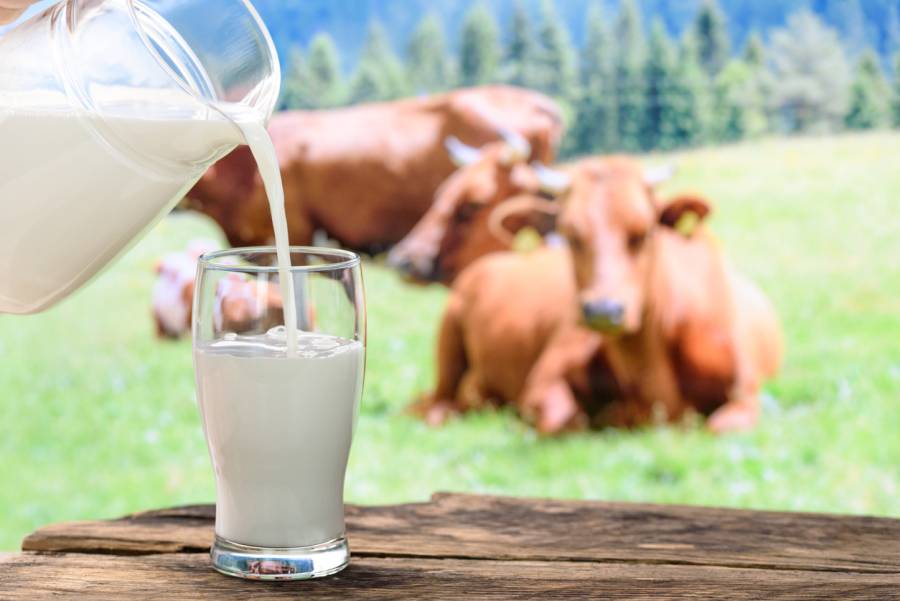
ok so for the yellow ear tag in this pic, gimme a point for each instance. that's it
(527, 239)
(687, 224)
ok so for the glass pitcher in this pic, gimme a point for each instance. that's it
(110, 110)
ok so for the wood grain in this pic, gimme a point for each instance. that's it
(501, 528)
(31, 576)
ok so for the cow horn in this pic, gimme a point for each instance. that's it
(553, 182)
(461, 154)
(520, 147)
(660, 174)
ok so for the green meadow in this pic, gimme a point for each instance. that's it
(99, 417)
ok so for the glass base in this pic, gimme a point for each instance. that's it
(261, 563)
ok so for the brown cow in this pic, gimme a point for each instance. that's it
(245, 305)
(457, 228)
(241, 305)
(502, 313)
(366, 174)
(466, 220)
(656, 324)
(173, 292)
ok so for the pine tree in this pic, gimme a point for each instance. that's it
(629, 37)
(479, 49)
(734, 116)
(758, 89)
(368, 84)
(596, 126)
(521, 51)
(558, 69)
(711, 34)
(427, 65)
(811, 74)
(294, 88)
(659, 77)
(895, 100)
(869, 95)
(326, 87)
(689, 123)
(379, 75)
(754, 55)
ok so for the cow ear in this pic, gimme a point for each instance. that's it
(684, 213)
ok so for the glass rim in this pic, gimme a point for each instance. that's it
(343, 259)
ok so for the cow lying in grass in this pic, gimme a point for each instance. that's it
(173, 292)
(457, 229)
(639, 319)
(241, 305)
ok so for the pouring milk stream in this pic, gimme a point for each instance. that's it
(260, 144)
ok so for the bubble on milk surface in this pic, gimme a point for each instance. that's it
(310, 345)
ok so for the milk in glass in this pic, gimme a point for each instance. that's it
(279, 429)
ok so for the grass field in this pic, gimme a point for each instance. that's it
(99, 418)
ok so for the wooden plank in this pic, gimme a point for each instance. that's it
(483, 527)
(33, 576)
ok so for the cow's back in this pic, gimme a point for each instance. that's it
(475, 114)
(511, 304)
(364, 174)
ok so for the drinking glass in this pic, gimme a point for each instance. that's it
(279, 421)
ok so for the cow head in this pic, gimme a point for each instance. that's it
(246, 305)
(455, 231)
(173, 292)
(611, 221)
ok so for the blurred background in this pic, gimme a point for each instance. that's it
(785, 113)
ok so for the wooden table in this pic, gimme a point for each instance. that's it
(478, 547)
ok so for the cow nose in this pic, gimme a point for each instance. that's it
(604, 314)
(399, 262)
(407, 266)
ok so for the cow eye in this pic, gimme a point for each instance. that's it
(466, 211)
(636, 241)
(575, 243)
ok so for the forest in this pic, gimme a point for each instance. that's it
(625, 88)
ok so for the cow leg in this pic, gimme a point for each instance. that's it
(741, 411)
(452, 364)
(758, 353)
(738, 415)
(552, 407)
(160, 331)
(548, 399)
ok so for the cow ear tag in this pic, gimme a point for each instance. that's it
(526, 240)
(687, 223)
